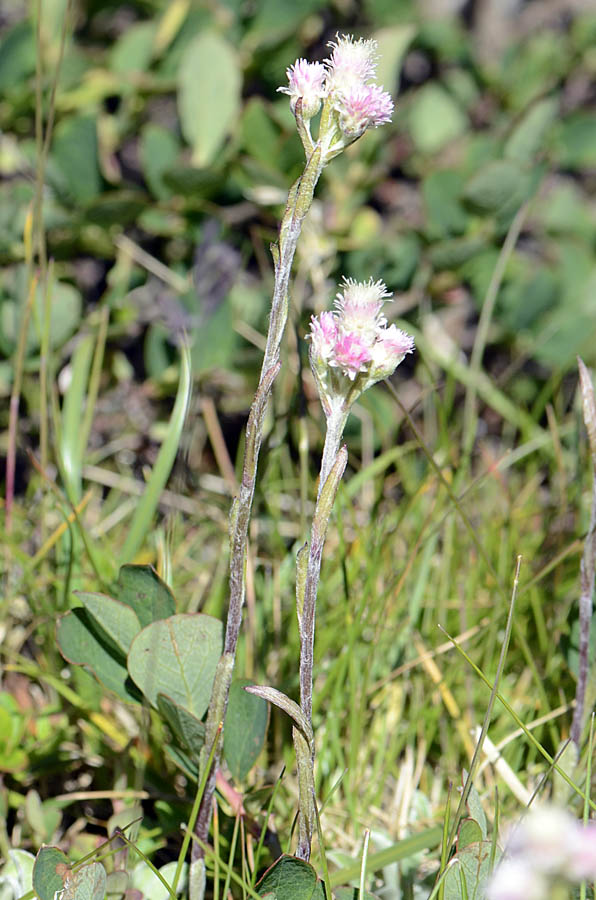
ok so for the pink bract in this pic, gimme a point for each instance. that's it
(351, 354)
(363, 106)
(352, 61)
(306, 81)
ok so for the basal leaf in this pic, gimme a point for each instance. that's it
(115, 618)
(246, 725)
(85, 883)
(141, 588)
(75, 154)
(290, 878)
(49, 872)
(187, 729)
(82, 645)
(435, 119)
(177, 656)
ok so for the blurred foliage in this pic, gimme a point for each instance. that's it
(169, 130)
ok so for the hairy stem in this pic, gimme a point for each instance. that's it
(332, 469)
(299, 202)
(588, 564)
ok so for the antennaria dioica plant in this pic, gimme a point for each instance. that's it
(351, 349)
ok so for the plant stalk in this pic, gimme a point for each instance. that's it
(299, 201)
(332, 468)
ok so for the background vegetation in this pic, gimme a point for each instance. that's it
(145, 155)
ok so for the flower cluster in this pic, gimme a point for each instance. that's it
(345, 80)
(547, 851)
(352, 347)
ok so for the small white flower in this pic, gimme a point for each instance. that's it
(306, 82)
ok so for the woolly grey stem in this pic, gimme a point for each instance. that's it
(331, 473)
(299, 202)
(336, 422)
(587, 565)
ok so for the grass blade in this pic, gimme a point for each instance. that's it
(143, 516)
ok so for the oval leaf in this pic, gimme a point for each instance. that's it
(49, 872)
(82, 644)
(494, 186)
(209, 83)
(244, 733)
(141, 588)
(186, 728)
(117, 620)
(177, 657)
(290, 878)
(470, 867)
(86, 883)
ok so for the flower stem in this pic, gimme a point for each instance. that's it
(299, 201)
(332, 469)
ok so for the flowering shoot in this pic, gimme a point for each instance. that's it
(345, 84)
(352, 347)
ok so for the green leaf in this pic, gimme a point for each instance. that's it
(183, 760)
(177, 657)
(141, 588)
(393, 43)
(445, 213)
(245, 728)
(524, 301)
(82, 644)
(435, 119)
(187, 180)
(476, 810)
(133, 50)
(119, 622)
(75, 154)
(469, 832)
(290, 878)
(65, 315)
(186, 728)
(528, 136)
(274, 20)
(473, 864)
(86, 883)
(576, 141)
(145, 881)
(213, 344)
(117, 208)
(17, 873)
(260, 136)
(209, 84)
(498, 184)
(17, 55)
(49, 872)
(452, 253)
(158, 152)
(569, 328)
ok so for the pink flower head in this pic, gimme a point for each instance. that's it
(582, 861)
(544, 838)
(352, 347)
(323, 334)
(514, 879)
(389, 350)
(359, 306)
(363, 106)
(351, 354)
(306, 81)
(351, 62)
